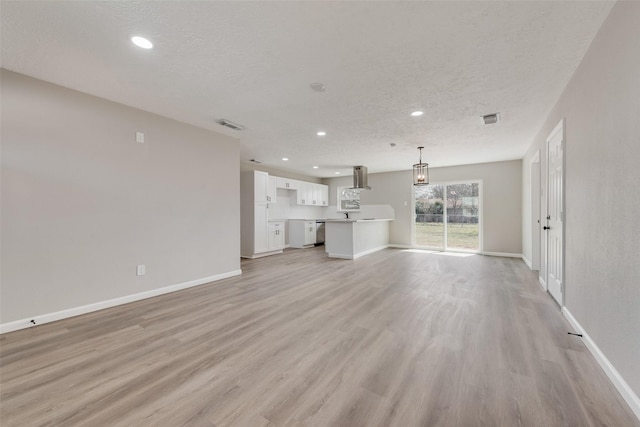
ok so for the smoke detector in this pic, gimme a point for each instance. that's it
(491, 119)
(230, 124)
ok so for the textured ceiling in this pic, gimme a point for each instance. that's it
(252, 63)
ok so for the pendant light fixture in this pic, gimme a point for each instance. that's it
(421, 171)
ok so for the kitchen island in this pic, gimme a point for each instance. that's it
(354, 238)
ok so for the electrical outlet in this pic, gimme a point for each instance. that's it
(140, 137)
(141, 270)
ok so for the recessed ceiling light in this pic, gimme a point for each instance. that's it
(285, 159)
(337, 173)
(417, 113)
(315, 167)
(141, 42)
(321, 133)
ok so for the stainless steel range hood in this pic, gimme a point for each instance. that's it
(360, 178)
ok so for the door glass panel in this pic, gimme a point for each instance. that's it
(429, 226)
(447, 216)
(462, 216)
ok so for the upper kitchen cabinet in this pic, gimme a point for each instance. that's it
(260, 184)
(264, 187)
(324, 195)
(304, 193)
(271, 189)
(312, 194)
(307, 193)
(286, 183)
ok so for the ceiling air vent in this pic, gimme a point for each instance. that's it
(490, 119)
(230, 124)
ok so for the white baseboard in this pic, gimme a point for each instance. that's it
(76, 311)
(262, 254)
(370, 251)
(526, 261)
(503, 254)
(358, 255)
(620, 384)
(400, 246)
(542, 283)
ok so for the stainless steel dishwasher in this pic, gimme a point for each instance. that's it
(319, 232)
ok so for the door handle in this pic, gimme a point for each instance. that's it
(546, 228)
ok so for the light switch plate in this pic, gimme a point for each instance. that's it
(141, 270)
(140, 137)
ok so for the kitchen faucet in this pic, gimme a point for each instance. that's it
(347, 214)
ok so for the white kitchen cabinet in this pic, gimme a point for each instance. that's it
(309, 233)
(324, 195)
(261, 218)
(287, 183)
(255, 229)
(304, 193)
(307, 193)
(260, 184)
(276, 235)
(302, 233)
(314, 194)
(271, 189)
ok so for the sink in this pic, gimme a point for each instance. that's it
(368, 219)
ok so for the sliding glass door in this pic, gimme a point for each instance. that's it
(447, 216)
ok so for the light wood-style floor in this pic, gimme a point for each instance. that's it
(393, 339)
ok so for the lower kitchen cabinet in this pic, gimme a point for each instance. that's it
(276, 235)
(302, 233)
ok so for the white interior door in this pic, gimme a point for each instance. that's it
(555, 213)
(536, 224)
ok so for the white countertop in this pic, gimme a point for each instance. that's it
(358, 219)
(335, 219)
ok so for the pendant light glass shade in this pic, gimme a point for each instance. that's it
(421, 171)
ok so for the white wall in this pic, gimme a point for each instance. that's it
(502, 201)
(83, 203)
(601, 105)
